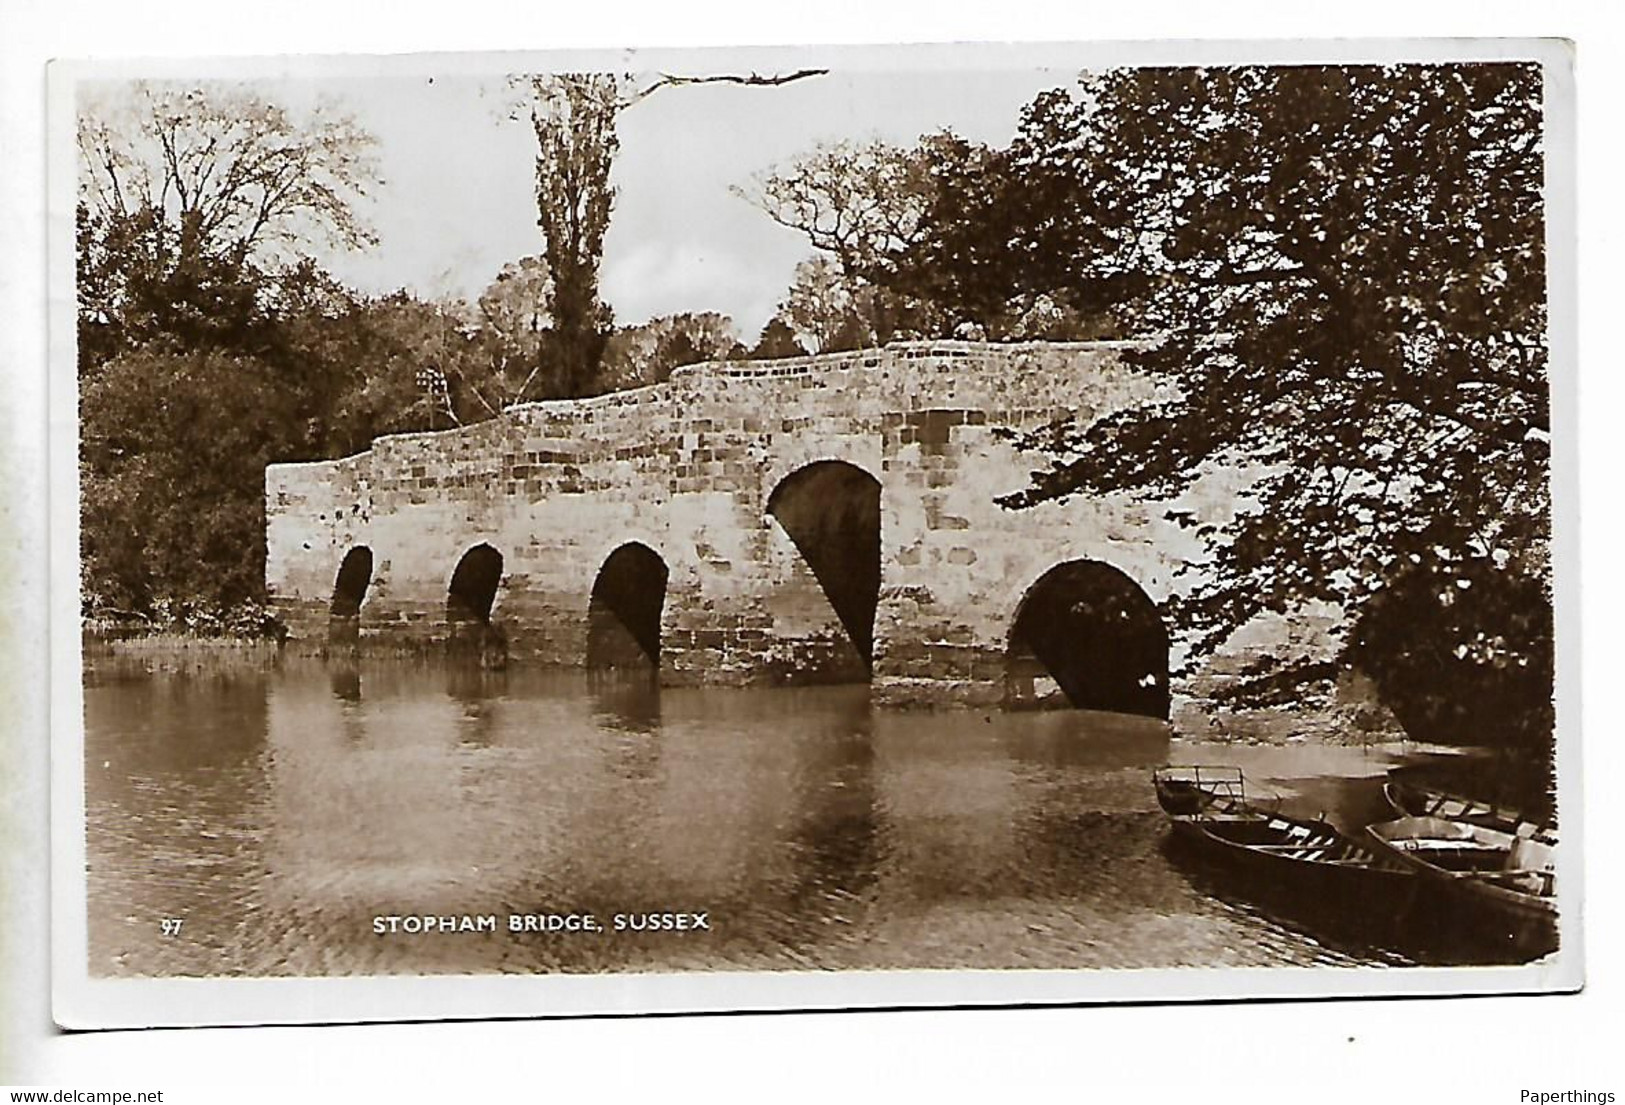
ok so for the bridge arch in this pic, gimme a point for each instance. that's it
(624, 610)
(349, 591)
(472, 591)
(1090, 630)
(470, 597)
(830, 510)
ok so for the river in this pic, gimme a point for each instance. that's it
(277, 816)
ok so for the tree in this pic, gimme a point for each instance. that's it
(1344, 272)
(777, 340)
(945, 236)
(690, 337)
(574, 117)
(172, 483)
(190, 195)
(824, 310)
(646, 354)
(423, 368)
(513, 323)
(861, 203)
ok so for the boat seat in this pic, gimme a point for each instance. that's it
(1293, 851)
(1529, 880)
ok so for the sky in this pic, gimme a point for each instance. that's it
(457, 204)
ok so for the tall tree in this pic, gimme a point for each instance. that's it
(191, 195)
(1345, 271)
(574, 117)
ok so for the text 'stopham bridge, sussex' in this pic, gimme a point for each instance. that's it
(820, 519)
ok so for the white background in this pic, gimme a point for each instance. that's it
(1481, 1050)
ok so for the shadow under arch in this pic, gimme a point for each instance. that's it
(1093, 632)
(623, 614)
(349, 590)
(830, 510)
(469, 599)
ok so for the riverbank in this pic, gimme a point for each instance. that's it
(119, 656)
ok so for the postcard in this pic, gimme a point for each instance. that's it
(812, 528)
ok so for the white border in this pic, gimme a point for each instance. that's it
(82, 1002)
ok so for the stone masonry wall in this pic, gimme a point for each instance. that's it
(687, 468)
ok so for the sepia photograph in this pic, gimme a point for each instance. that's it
(807, 528)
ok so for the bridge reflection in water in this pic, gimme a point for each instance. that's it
(279, 812)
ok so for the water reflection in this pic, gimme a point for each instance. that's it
(345, 678)
(628, 700)
(279, 812)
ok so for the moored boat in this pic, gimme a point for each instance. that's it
(1508, 878)
(1309, 861)
(1412, 798)
(1197, 790)
(1297, 854)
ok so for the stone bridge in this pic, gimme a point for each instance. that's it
(824, 518)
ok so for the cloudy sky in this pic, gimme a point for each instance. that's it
(457, 203)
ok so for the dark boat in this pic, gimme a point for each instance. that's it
(1310, 856)
(1308, 859)
(1412, 798)
(1201, 790)
(1507, 879)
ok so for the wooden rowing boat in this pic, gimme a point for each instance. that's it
(1508, 879)
(1309, 858)
(1309, 861)
(1202, 790)
(1410, 798)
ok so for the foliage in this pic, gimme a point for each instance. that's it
(777, 340)
(513, 322)
(1488, 630)
(172, 473)
(420, 368)
(946, 238)
(191, 197)
(1345, 277)
(132, 290)
(573, 116)
(829, 313)
(640, 355)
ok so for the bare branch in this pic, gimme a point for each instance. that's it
(667, 80)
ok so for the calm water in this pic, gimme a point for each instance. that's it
(277, 813)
